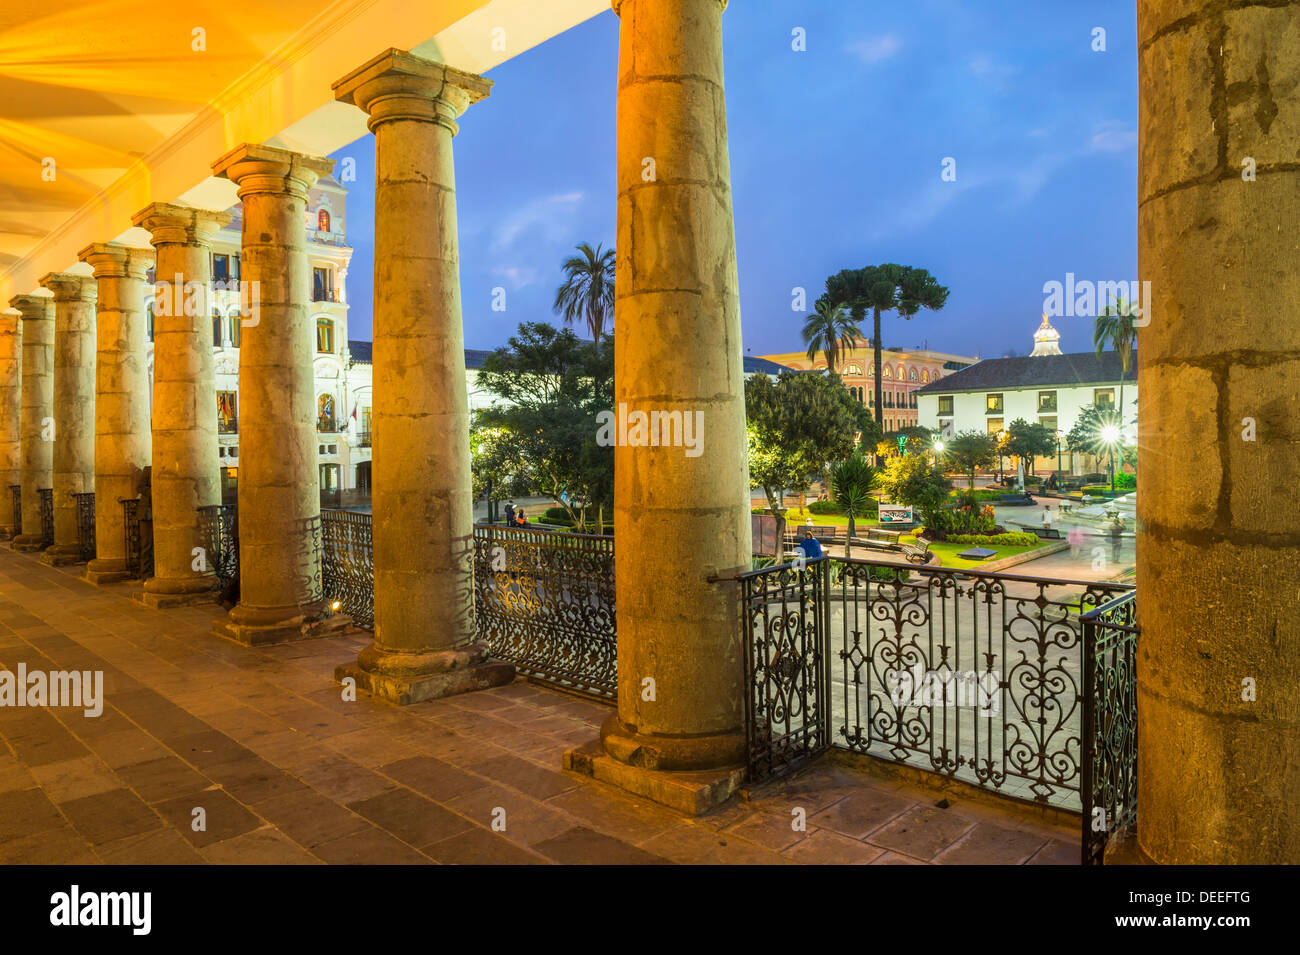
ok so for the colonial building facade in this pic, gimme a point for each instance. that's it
(903, 373)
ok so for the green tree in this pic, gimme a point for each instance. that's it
(830, 330)
(914, 481)
(1025, 441)
(1089, 432)
(1116, 326)
(883, 288)
(551, 386)
(851, 482)
(969, 451)
(797, 423)
(587, 295)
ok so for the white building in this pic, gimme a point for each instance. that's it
(1045, 387)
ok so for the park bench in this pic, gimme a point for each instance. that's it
(918, 553)
(1016, 499)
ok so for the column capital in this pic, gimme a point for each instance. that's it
(398, 85)
(170, 224)
(268, 169)
(69, 286)
(33, 307)
(111, 260)
(617, 6)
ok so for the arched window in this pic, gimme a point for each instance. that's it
(852, 370)
(925, 374)
(216, 328)
(911, 374)
(325, 335)
(889, 372)
(325, 413)
(323, 220)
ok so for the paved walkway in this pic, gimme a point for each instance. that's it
(260, 746)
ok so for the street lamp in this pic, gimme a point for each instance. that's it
(1110, 436)
(1059, 435)
(1002, 436)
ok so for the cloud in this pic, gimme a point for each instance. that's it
(987, 68)
(518, 276)
(875, 49)
(550, 215)
(1113, 137)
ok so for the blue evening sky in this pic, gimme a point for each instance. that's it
(836, 157)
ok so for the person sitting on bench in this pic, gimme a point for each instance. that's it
(810, 546)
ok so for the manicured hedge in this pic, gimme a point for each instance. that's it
(557, 514)
(823, 507)
(984, 540)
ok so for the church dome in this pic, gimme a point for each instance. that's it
(1047, 340)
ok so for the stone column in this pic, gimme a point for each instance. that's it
(123, 440)
(425, 639)
(185, 471)
(11, 397)
(1218, 566)
(680, 512)
(280, 594)
(36, 450)
(74, 407)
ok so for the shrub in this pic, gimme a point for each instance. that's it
(1093, 478)
(981, 494)
(1005, 540)
(823, 507)
(1126, 482)
(1095, 489)
(557, 514)
(1033, 480)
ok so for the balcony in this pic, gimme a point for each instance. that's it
(325, 295)
(327, 426)
(229, 426)
(362, 440)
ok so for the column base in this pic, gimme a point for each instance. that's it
(61, 555)
(1122, 848)
(266, 634)
(164, 593)
(6, 532)
(693, 793)
(28, 543)
(406, 678)
(106, 570)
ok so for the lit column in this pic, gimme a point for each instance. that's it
(185, 471)
(425, 640)
(11, 399)
(280, 596)
(123, 441)
(680, 513)
(36, 446)
(1218, 565)
(74, 407)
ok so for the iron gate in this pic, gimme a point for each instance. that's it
(45, 496)
(1110, 755)
(348, 564)
(17, 492)
(219, 530)
(86, 524)
(137, 527)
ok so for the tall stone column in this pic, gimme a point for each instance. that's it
(680, 511)
(280, 595)
(123, 440)
(425, 640)
(74, 407)
(11, 399)
(36, 448)
(1218, 565)
(185, 471)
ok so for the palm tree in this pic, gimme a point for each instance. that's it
(830, 330)
(884, 288)
(1115, 327)
(587, 294)
(851, 483)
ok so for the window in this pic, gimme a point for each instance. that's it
(322, 285)
(325, 335)
(227, 406)
(216, 329)
(1104, 398)
(1048, 422)
(925, 375)
(945, 404)
(993, 404)
(995, 425)
(913, 402)
(911, 374)
(234, 329)
(852, 370)
(1047, 402)
(323, 220)
(889, 372)
(220, 267)
(148, 320)
(325, 414)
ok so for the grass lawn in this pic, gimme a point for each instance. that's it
(948, 553)
(799, 515)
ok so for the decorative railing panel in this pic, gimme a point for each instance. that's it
(545, 601)
(787, 678)
(86, 524)
(16, 491)
(137, 528)
(348, 564)
(45, 496)
(1110, 637)
(219, 529)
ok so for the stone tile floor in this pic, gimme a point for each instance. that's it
(285, 771)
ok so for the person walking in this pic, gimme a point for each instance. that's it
(1047, 517)
(1075, 537)
(510, 513)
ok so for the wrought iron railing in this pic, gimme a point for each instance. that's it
(544, 600)
(228, 425)
(137, 528)
(45, 496)
(787, 669)
(348, 564)
(332, 497)
(219, 530)
(362, 440)
(967, 673)
(16, 491)
(86, 524)
(1110, 637)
